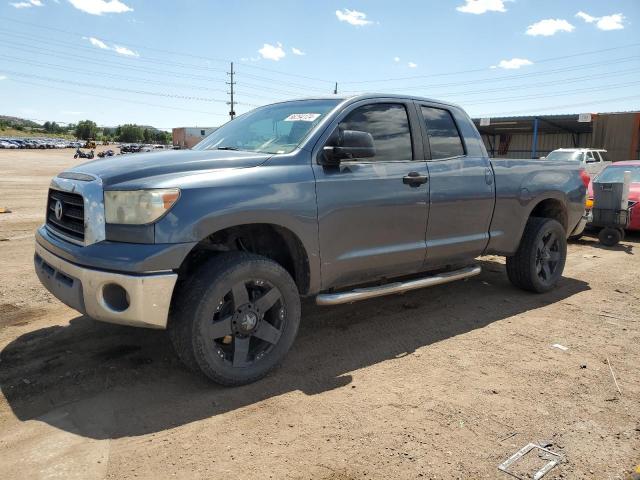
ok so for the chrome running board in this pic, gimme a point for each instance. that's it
(396, 287)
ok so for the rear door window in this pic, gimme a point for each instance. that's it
(444, 137)
(388, 124)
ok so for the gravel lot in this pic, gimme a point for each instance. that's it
(445, 382)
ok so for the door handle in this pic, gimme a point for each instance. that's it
(415, 179)
(488, 176)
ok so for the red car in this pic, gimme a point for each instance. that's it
(614, 173)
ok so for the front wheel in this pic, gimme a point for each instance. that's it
(235, 318)
(539, 261)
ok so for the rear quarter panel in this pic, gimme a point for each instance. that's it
(520, 186)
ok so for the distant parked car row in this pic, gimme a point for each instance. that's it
(137, 147)
(39, 143)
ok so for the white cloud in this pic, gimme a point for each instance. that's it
(98, 43)
(549, 26)
(29, 4)
(412, 65)
(297, 51)
(396, 59)
(3, 77)
(608, 22)
(513, 64)
(479, 7)
(586, 17)
(272, 52)
(125, 51)
(611, 22)
(70, 112)
(353, 17)
(98, 7)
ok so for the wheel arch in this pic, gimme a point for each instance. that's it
(551, 207)
(270, 240)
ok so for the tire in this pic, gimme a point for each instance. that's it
(539, 261)
(609, 236)
(236, 318)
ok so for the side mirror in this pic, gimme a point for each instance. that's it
(348, 144)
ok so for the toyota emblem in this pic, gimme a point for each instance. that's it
(57, 209)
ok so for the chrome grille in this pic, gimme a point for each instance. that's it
(65, 214)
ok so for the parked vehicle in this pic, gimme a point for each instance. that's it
(81, 154)
(615, 173)
(341, 199)
(106, 153)
(594, 160)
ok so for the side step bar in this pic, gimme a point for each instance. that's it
(396, 287)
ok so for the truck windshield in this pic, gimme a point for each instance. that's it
(277, 128)
(616, 174)
(557, 155)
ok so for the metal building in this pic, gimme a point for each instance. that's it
(187, 137)
(536, 136)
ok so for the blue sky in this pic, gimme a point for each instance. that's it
(164, 62)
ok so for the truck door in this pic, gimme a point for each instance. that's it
(372, 212)
(462, 194)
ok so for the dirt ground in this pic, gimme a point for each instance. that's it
(442, 383)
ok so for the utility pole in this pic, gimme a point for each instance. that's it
(231, 83)
(335, 91)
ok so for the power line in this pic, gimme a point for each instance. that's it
(92, 60)
(95, 74)
(545, 84)
(484, 69)
(557, 94)
(170, 52)
(511, 77)
(126, 90)
(555, 107)
(124, 100)
(107, 52)
(153, 61)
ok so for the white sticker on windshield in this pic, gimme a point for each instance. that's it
(302, 117)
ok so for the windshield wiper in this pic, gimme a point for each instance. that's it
(227, 148)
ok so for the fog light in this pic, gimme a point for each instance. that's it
(115, 297)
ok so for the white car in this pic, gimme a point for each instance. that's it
(594, 159)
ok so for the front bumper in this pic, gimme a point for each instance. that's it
(139, 300)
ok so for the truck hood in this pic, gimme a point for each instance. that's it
(137, 166)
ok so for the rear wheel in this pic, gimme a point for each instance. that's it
(236, 318)
(539, 261)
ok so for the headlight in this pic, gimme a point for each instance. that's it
(138, 207)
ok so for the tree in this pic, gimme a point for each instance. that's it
(147, 135)
(129, 133)
(86, 129)
(162, 137)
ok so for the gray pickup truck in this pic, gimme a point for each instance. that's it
(341, 199)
